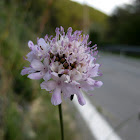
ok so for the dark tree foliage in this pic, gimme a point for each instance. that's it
(124, 25)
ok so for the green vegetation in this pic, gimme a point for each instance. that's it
(26, 112)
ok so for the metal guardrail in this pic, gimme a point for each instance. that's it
(121, 49)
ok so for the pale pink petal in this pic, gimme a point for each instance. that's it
(54, 66)
(85, 86)
(76, 75)
(88, 84)
(27, 71)
(94, 71)
(65, 78)
(49, 85)
(55, 76)
(43, 45)
(36, 75)
(80, 97)
(56, 97)
(75, 83)
(90, 81)
(98, 84)
(31, 56)
(30, 45)
(43, 85)
(47, 76)
(46, 62)
(24, 71)
(37, 65)
(67, 90)
(41, 42)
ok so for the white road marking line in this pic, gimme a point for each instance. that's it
(99, 127)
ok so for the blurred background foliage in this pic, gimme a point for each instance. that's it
(25, 110)
(124, 25)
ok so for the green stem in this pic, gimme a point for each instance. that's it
(61, 121)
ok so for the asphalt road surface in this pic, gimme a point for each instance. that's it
(118, 100)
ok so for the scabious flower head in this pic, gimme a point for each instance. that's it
(66, 63)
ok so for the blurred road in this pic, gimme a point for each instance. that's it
(118, 100)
